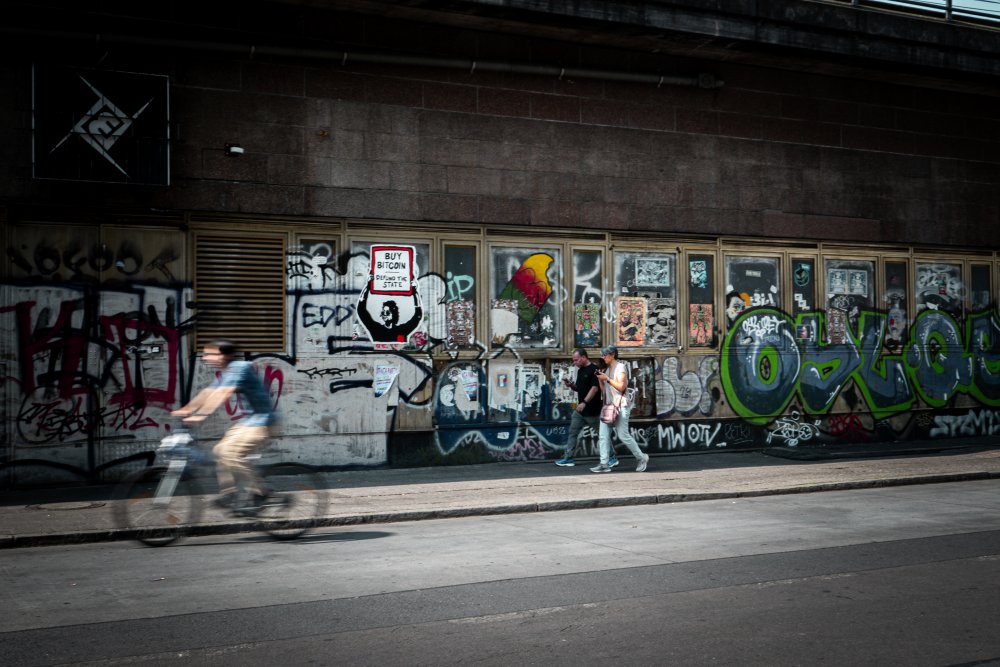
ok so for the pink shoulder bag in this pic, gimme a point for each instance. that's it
(609, 413)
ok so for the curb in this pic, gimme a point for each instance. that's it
(232, 527)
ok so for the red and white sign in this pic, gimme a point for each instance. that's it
(392, 270)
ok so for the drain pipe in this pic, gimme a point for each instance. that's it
(702, 80)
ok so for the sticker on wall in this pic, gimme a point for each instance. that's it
(661, 322)
(631, 321)
(700, 334)
(587, 324)
(461, 323)
(389, 308)
(385, 375)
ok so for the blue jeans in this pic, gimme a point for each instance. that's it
(576, 424)
(621, 430)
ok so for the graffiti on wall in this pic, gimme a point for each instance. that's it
(94, 371)
(97, 366)
(77, 260)
(764, 367)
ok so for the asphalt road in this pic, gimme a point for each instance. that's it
(905, 575)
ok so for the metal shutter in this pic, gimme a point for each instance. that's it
(239, 289)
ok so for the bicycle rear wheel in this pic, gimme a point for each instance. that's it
(297, 501)
(155, 523)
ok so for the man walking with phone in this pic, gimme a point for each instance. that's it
(588, 405)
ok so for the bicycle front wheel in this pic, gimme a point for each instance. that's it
(297, 501)
(152, 521)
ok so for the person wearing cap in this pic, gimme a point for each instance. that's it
(614, 386)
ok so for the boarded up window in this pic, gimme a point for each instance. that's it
(240, 291)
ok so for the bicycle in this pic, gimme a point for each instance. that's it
(161, 503)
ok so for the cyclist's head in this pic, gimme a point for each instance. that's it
(219, 353)
(226, 348)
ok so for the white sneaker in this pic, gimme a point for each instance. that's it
(642, 463)
(601, 468)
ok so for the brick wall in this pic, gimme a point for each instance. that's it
(773, 152)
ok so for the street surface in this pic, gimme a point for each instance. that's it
(903, 575)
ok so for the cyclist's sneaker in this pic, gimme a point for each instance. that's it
(253, 505)
(613, 461)
(601, 468)
(566, 463)
(224, 501)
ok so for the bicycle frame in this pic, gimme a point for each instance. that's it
(175, 451)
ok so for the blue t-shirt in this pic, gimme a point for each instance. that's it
(256, 403)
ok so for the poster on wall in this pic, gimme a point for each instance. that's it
(698, 272)
(563, 371)
(661, 322)
(389, 308)
(586, 324)
(804, 292)
(653, 271)
(458, 395)
(939, 286)
(503, 320)
(470, 383)
(701, 325)
(502, 383)
(836, 325)
(530, 378)
(751, 282)
(857, 283)
(461, 324)
(836, 281)
(385, 375)
(631, 321)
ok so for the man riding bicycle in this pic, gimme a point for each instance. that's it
(244, 438)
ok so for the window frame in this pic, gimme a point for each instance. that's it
(560, 327)
(684, 298)
(672, 251)
(769, 253)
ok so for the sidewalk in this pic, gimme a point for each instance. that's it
(83, 514)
